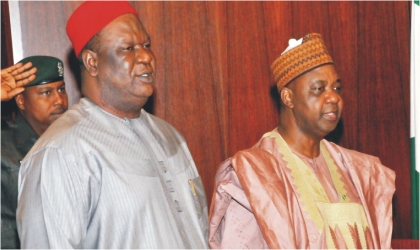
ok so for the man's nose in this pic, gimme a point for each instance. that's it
(144, 56)
(332, 97)
(58, 98)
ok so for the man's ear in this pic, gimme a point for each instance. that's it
(286, 96)
(20, 101)
(90, 60)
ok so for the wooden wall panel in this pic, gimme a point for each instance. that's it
(277, 25)
(6, 37)
(383, 120)
(216, 20)
(251, 112)
(189, 87)
(342, 16)
(214, 82)
(405, 244)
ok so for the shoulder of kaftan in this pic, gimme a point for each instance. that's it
(366, 166)
(270, 195)
(375, 184)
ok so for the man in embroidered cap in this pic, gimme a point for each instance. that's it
(43, 100)
(293, 189)
(108, 174)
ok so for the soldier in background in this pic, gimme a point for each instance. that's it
(42, 101)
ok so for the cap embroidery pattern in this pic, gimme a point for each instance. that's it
(310, 54)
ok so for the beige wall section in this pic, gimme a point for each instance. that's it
(213, 79)
(16, 31)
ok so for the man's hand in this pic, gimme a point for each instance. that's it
(14, 78)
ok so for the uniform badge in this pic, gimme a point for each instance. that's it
(60, 69)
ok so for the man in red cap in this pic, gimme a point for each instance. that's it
(293, 189)
(108, 174)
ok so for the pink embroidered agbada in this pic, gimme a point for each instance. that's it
(256, 205)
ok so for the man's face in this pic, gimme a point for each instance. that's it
(43, 104)
(317, 102)
(125, 64)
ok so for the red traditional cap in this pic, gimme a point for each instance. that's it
(90, 17)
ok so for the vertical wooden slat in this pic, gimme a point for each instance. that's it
(343, 46)
(251, 111)
(383, 120)
(278, 28)
(189, 86)
(216, 24)
(6, 36)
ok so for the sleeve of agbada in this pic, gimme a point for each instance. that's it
(232, 224)
(272, 209)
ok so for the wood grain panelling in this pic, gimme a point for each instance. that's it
(405, 244)
(217, 30)
(251, 112)
(278, 25)
(214, 82)
(383, 120)
(6, 37)
(189, 88)
(342, 16)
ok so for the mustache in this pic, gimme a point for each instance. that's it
(332, 108)
(59, 110)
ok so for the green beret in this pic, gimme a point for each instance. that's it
(50, 69)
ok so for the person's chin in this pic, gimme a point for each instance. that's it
(328, 127)
(329, 130)
(145, 95)
(148, 92)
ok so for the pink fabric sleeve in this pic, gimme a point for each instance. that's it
(232, 223)
(275, 206)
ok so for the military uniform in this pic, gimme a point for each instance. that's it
(16, 141)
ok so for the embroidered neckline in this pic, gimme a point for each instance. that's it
(301, 173)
